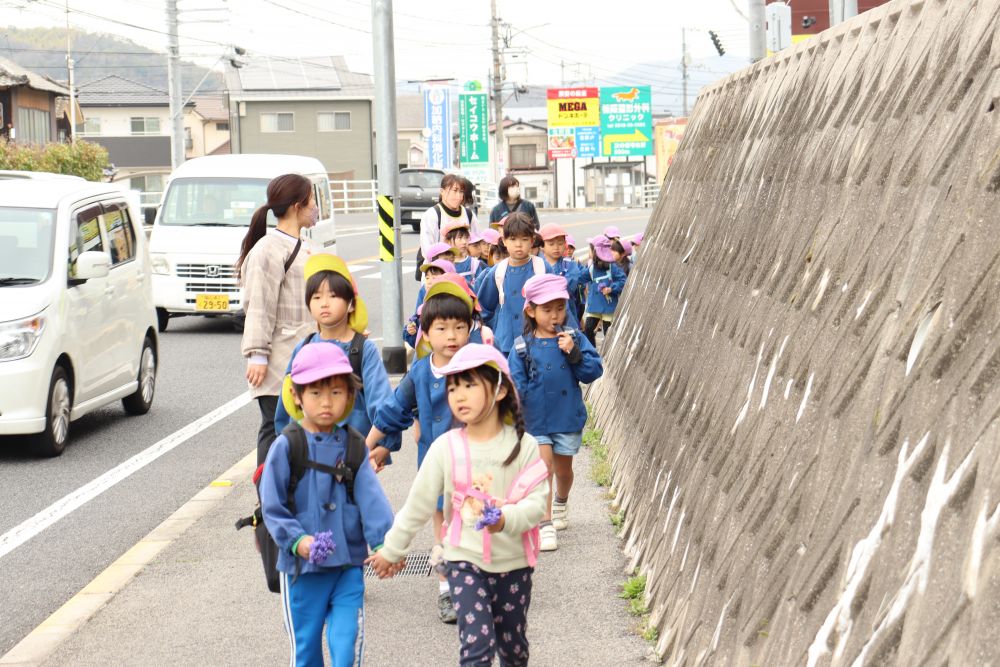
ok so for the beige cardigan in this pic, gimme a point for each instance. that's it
(275, 303)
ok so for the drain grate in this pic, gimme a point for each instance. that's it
(416, 566)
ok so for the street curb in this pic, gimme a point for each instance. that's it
(41, 642)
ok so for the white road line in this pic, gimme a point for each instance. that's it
(20, 534)
(360, 267)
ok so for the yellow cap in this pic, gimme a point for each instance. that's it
(358, 319)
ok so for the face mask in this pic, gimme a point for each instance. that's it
(314, 216)
(514, 192)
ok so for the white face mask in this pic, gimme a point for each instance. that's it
(514, 192)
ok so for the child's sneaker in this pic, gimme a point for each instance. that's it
(549, 541)
(560, 515)
(446, 609)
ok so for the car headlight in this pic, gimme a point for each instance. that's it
(18, 339)
(160, 265)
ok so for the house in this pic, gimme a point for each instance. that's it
(304, 106)
(28, 105)
(206, 126)
(132, 121)
(527, 158)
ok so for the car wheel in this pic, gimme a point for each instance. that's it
(140, 402)
(52, 441)
(162, 319)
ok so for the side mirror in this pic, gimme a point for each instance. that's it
(149, 215)
(91, 264)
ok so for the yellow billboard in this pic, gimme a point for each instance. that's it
(667, 134)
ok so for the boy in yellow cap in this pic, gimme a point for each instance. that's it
(342, 319)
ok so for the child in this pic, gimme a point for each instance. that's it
(341, 318)
(475, 247)
(455, 285)
(605, 282)
(579, 295)
(499, 290)
(620, 251)
(548, 365)
(456, 234)
(611, 233)
(488, 561)
(431, 271)
(319, 586)
(445, 321)
(491, 239)
(554, 252)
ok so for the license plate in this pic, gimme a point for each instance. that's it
(211, 302)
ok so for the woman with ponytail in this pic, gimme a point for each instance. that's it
(271, 268)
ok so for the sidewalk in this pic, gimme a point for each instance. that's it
(203, 599)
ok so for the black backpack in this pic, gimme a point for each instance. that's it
(298, 461)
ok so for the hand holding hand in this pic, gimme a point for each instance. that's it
(256, 373)
(377, 457)
(382, 567)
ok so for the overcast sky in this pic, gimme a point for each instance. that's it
(436, 38)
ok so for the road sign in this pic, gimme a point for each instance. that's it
(473, 130)
(437, 119)
(626, 121)
(574, 117)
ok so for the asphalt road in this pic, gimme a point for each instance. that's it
(200, 370)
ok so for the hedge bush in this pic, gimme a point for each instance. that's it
(81, 158)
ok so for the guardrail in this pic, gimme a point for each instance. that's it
(354, 196)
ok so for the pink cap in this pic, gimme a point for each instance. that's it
(475, 238)
(491, 236)
(637, 239)
(451, 225)
(316, 361)
(550, 231)
(475, 355)
(544, 288)
(438, 248)
(569, 241)
(602, 248)
(612, 232)
(627, 247)
(442, 264)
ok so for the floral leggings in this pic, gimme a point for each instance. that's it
(492, 610)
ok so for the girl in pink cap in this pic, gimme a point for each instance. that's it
(491, 471)
(548, 364)
(605, 282)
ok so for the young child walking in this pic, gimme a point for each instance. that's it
(491, 471)
(432, 271)
(341, 319)
(445, 322)
(554, 244)
(323, 531)
(456, 235)
(548, 365)
(604, 281)
(499, 290)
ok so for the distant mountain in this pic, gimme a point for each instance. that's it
(96, 55)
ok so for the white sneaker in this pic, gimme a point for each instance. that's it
(560, 515)
(549, 541)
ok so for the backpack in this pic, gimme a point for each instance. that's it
(500, 272)
(461, 476)
(521, 347)
(298, 461)
(354, 354)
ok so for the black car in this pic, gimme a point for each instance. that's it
(418, 191)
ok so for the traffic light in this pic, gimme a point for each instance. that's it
(716, 42)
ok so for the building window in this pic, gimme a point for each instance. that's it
(188, 139)
(145, 125)
(531, 194)
(90, 126)
(277, 122)
(33, 126)
(333, 121)
(522, 156)
(222, 127)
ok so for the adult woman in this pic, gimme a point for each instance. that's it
(450, 206)
(272, 269)
(510, 201)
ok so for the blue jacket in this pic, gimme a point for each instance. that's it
(550, 391)
(376, 390)
(418, 391)
(598, 303)
(507, 322)
(464, 269)
(355, 527)
(569, 269)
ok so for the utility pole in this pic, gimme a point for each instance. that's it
(685, 63)
(842, 10)
(391, 247)
(72, 93)
(758, 30)
(498, 93)
(174, 87)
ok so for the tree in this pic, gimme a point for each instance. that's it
(81, 158)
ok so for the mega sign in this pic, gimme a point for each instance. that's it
(574, 119)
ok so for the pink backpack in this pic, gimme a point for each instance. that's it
(461, 476)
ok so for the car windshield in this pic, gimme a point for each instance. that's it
(26, 236)
(214, 202)
(428, 180)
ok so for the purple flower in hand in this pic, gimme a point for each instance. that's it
(321, 548)
(491, 515)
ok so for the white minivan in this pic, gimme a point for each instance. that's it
(201, 222)
(77, 320)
